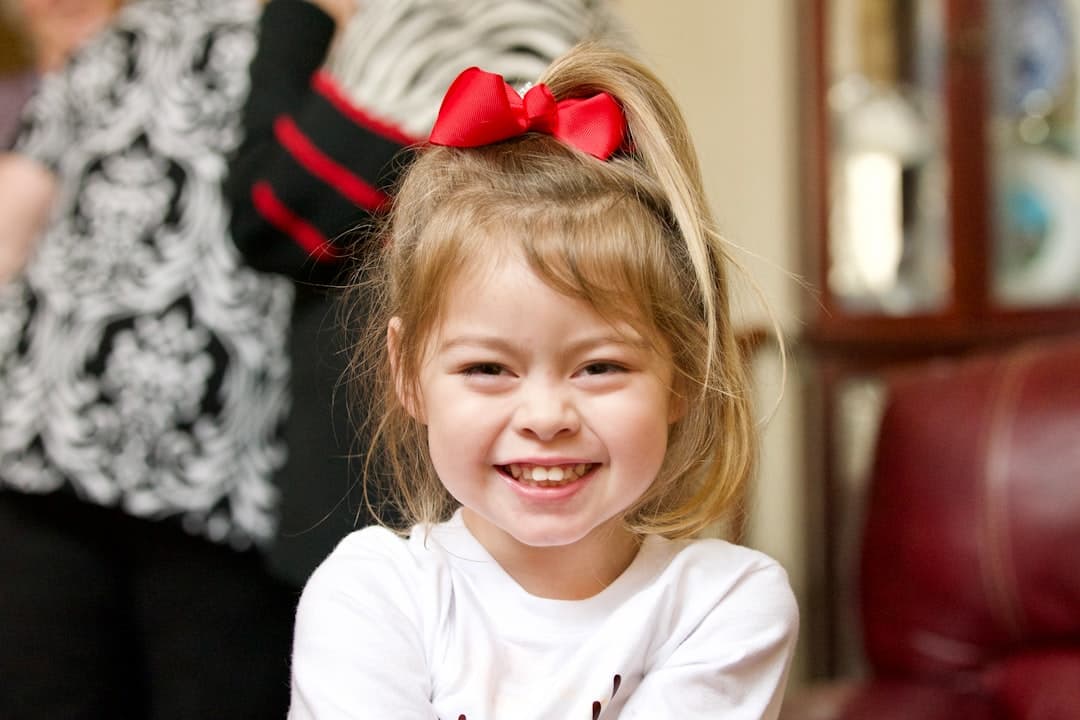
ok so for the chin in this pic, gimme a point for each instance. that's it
(559, 535)
(547, 540)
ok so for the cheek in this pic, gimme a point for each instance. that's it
(638, 433)
(651, 447)
(449, 455)
(460, 433)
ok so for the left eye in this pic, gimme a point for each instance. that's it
(601, 368)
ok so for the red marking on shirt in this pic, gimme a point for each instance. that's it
(326, 86)
(281, 217)
(322, 166)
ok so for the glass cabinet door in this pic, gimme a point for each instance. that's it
(942, 188)
(888, 250)
(1035, 149)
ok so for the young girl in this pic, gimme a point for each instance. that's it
(565, 407)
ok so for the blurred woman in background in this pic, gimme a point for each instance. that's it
(143, 380)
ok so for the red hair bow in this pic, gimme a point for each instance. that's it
(480, 108)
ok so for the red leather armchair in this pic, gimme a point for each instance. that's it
(969, 583)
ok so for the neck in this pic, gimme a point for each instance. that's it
(566, 572)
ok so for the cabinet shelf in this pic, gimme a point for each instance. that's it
(941, 215)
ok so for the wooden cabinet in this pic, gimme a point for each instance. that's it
(941, 214)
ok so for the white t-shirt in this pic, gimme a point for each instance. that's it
(432, 627)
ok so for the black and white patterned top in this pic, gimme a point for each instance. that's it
(142, 364)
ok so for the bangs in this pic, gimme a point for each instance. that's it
(614, 254)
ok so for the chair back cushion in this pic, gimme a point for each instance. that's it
(971, 550)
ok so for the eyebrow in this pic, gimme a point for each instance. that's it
(493, 342)
(483, 341)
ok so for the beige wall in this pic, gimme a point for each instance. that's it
(731, 64)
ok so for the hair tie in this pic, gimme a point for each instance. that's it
(481, 108)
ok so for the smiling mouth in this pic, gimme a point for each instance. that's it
(546, 475)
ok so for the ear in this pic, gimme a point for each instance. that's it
(676, 407)
(393, 348)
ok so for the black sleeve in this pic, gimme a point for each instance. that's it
(313, 167)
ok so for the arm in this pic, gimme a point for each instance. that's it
(312, 166)
(734, 664)
(358, 651)
(29, 173)
(340, 11)
(58, 28)
(27, 189)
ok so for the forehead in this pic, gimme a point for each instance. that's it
(503, 286)
(503, 296)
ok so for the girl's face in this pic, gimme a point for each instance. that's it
(544, 421)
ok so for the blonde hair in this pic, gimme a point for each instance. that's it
(632, 236)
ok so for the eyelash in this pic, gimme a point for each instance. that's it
(483, 369)
(494, 369)
(607, 366)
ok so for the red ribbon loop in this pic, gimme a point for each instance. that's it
(480, 108)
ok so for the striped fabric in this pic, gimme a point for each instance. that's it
(399, 56)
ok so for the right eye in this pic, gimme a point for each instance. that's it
(484, 369)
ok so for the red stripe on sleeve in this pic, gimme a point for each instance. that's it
(325, 168)
(327, 86)
(306, 235)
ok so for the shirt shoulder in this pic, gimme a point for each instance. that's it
(723, 618)
(374, 550)
(369, 586)
(376, 564)
(718, 579)
(362, 629)
(724, 562)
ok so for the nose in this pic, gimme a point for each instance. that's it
(546, 411)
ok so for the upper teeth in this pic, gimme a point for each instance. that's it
(553, 473)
